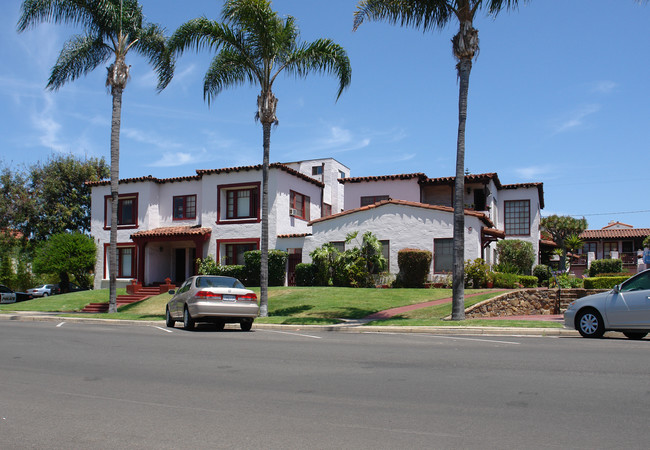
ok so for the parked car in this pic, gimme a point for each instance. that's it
(9, 296)
(44, 290)
(72, 287)
(626, 308)
(216, 299)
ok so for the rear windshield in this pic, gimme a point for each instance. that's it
(226, 282)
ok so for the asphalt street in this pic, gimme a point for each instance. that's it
(74, 385)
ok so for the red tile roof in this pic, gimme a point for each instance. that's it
(143, 179)
(615, 233)
(402, 176)
(449, 209)
(471, 178)
(295, 235)
(613, 224)
(173, 232)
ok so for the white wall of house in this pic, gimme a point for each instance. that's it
(408, 190)
(403, 226)
(333, 192)
(531, 194)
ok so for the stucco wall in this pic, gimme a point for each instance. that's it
(396, 189)
(531, 194)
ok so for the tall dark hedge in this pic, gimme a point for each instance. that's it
(605, 266)
(305, 274)
(414, 266)
(277, 267)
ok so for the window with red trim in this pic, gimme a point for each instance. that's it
(184, 207)
(372, 199)
(300, 204)
(327, 210)
(241, 203)
(127, 210)
(235, 252)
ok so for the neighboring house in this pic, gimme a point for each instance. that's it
(616, 240)
(166, 224)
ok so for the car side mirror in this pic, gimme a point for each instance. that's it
(171, 292)
(617, 289)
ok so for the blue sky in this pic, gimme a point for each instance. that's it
(558, 94)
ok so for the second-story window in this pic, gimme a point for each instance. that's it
(517, 217)
(317, 170)
(241, 203)
(299, 205)
(185, 207)
(372, 199)
(127, 210)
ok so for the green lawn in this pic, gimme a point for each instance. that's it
(298, 306)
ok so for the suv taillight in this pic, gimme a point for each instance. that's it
(249, 297)
(208, 294)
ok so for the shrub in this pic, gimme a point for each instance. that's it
(277, 267)
(304, 274)
(476, 273)
(528, 281)
(506, 267)
(506, 280)
(542, 272)
(605, 266)
(324, 261)
(518, 253)
(414, 266)
(207, 266)
(566, 281)
(603, 282)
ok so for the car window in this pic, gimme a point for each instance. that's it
(185, 286)
(5, 289)
(226, 282)
(638, 283)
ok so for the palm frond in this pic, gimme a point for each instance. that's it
(323, 56)
(80, 55)
(198, 33)
(229, 68)
(151, 43)
(424, 14)
(33, 12)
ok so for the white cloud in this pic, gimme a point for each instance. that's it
(532, 172)
(47, 127)
(603, 86)
(178, 159)
(575, 119)
(149, 138)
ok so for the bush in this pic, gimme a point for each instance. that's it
(603, 282)
(414, 266)
(207, 266)
(506, 280)
(476, 273)
(605, 266)
(277, 267)
(324, 261)
(304, 274)
(517, 253)
(566, 281)
(542, 272)
(528, 281)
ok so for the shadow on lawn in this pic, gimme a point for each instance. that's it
(290, 311)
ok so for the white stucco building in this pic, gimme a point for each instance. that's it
(164, 225)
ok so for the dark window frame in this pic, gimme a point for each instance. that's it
(222, 203)
(514, 218)
(304, 213)
(184, 215)
(367, 200)
(120, 211)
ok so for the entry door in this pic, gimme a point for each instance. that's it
(180, 258)
(295, 258)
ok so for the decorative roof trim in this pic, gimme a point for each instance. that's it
(448, 209)
(257, 167)
(165, 232)
(295, 235)
(615, 233)
(402, 176)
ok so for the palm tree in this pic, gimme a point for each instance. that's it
(112, 28)
(436, 14)
(254, 45)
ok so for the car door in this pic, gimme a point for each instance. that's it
(630, 307)
(180, 298)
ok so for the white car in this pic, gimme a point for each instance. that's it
(43, 290)
(210, 298)
(626, 308)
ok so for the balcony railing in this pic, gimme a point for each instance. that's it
(629, 259)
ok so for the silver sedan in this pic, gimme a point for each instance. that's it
(626, 308)
(210, 298)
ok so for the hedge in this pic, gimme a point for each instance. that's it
(605, 266)
(603, 282)
(506, 280)
(305, 274)
(528, 281)
(414, 265)
(277, 267)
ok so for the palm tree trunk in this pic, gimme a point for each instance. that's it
(115, 177)
(264, 266)
(458, 301)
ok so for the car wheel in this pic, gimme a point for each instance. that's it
(246, 325)
(590, 324)
(188, 322)
(44, 294)
(168, 319)
(635, 335)
(220, 325)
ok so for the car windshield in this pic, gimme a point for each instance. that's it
(226, 282)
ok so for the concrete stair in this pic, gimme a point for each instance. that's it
(142, 294)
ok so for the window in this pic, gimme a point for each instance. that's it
(341, 174)
(385, 252)
(608, 248)
(327, 210)
(238, 203)
(372, 199)
(185, 207)
(589, 247)
(127, 211)
(125, 262)
(300, 203)
(317, 170)
(338, 245)
(443, 255)
(235, 252)
(517, 217)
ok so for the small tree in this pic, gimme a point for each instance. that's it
(516, 253)
(66, 254)
(561, 228)
(324, 260)
(414, 266)
(646, 242)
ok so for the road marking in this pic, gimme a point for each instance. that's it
(476, 339)
(164, 329)
(60, 324)
(293, 334)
